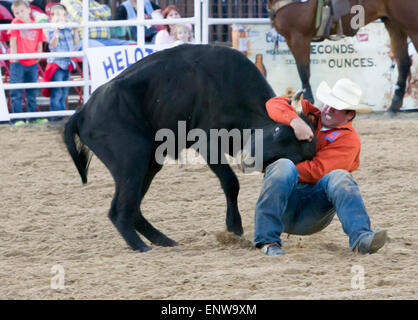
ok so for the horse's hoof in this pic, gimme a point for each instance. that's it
(392, 113)
(395, 106)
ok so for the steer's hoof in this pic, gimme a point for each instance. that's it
(237, 230)
(142, 249)
(166, 242)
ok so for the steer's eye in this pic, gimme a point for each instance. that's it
(276, 130)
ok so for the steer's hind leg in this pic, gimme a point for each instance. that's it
(141, 224)
(230, 186)
(127, 155)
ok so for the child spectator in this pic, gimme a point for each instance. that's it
(58, 69)
(98, 36)
(24, 41)
(7, 4)
(127, 11)
(165, 36)
(182, 32)
(37, 11)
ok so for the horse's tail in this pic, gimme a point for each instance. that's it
(78, 150)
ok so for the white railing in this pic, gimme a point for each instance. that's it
(207, 21)
(200, 20)
(140, 22)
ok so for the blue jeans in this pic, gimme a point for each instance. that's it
(59, 95)
(20, 74)
(287, 206)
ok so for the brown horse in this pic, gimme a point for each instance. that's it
(296, 21)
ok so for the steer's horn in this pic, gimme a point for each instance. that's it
(296, 101)
(246, 160)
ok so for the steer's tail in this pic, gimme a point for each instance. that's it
(78, 151)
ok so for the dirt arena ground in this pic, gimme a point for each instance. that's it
(48, 218)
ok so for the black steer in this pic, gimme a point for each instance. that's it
(208, 87)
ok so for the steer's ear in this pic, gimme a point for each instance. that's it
(296, 101)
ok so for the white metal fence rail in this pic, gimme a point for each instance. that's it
(200, 20)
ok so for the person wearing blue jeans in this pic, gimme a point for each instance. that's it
(58, 69)
(59, 95)
(303, 198)
(20, 73)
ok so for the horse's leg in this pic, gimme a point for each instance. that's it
(141, 224)
(399, 46)
(230, 186)
(414, 39)
(300, 46)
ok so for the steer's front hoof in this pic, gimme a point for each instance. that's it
(237, 230)
(166, 242)
(144, 248)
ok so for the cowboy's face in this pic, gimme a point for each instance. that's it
(332, 118)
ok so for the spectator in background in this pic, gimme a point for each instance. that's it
(24, 41)
(58, 69)
(98, 36)
(38, 3)
(37, 9)
(7, 4)
(127, 11)
(183, 33)
(165, 35)
(6, 15)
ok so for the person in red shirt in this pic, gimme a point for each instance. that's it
(25, 70)
(303, 198)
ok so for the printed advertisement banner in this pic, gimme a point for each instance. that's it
(365, 58)
(107, 62)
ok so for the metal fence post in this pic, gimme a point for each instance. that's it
(85, 26)
(198, 19)
(205, 22)
(140, 28)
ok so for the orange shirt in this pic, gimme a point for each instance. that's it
(337, 148)
(27, 41)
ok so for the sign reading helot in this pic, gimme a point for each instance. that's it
(364, 59)
(107, 62)
(4, 112)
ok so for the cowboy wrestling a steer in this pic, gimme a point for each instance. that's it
(207, 88)
(302, 199)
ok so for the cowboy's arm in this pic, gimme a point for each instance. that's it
(281, 111)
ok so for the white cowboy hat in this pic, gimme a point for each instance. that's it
(344, 95)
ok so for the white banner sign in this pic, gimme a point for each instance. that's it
(4, 112)
(365, 59)
(107, 62)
